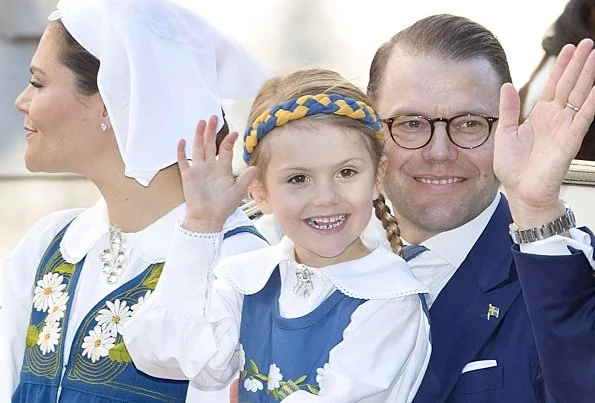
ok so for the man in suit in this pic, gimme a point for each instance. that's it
(506, 326)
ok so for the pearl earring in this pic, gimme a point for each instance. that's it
(103, 127)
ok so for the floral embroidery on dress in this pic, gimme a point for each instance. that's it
(50, 296)
(57, 310)
(98, 340)
(98, 343)
(275, 376)
(320, 372)
(278, 388)
(253, 385)
(49, 337)
(114, 317)
(48, 290)
(102, 340)
(105, 339)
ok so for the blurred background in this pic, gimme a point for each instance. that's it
(341, 35)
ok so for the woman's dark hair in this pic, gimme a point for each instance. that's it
(83, 64)
(444, 37)
(573, 25)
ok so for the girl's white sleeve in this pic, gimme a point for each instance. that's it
(189, 327)
(382, 358)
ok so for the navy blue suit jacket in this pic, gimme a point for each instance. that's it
(463, 332)
(559, 294)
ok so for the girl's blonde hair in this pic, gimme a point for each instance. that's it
(280, 89)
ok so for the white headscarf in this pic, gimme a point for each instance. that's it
(162, 68)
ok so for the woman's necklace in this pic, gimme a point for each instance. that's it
(113, 257)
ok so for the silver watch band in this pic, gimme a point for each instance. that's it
(557, 226)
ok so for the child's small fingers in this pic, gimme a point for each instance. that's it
(226, 148)
(198, 152)
(182, 159)
(210, 136)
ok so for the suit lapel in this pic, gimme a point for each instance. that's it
(459, 317)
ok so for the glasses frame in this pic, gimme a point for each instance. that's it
(490, 119)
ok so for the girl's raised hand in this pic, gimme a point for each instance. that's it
(211, 192)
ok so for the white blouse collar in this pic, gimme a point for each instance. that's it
(92, 224)
(379, 275)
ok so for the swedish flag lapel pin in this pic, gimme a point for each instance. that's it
(493, 312)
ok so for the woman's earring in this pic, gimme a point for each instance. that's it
(103, 127)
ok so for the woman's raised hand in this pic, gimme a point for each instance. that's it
(211, 191)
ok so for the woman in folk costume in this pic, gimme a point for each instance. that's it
(319, 317)
(114, 85)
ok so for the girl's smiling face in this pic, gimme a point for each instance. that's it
(320, 182)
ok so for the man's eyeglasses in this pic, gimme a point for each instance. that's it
(466, 131)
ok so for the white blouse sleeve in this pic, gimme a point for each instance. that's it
(18, 283)
(189, 328)
(382, 358)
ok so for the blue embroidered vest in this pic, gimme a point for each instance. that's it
(280, 355)
(99, 368)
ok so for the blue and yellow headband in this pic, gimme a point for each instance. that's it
(309, 105)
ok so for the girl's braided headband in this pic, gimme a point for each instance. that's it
(309, 105)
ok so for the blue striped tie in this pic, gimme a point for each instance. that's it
(412, 251)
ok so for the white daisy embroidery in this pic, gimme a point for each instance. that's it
(97, 344)
(141, 301)
(320, 372)
(57, 309)
(113, 318)
(48, 338)
(48, 290)
(275, 376)
(242, 357)
(252, 385)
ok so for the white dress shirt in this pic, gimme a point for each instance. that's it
(447, 250)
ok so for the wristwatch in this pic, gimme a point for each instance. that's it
(557, 226)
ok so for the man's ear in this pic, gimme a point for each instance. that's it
(380, 172)
(259, 194)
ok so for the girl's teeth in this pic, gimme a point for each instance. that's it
(327, 222)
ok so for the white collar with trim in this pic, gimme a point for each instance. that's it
(379, 275)
(91, 225)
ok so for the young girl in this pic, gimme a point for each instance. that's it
(319, 317)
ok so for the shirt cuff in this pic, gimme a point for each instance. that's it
(557, 245)
(185, 279)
